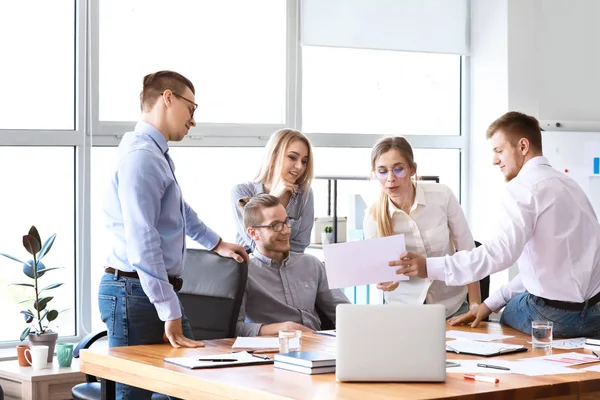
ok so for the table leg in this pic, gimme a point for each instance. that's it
(108, 390)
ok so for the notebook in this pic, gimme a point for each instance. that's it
(308, 359)
(391, 342)
(486, 349)
(220, 360)
(305, 370)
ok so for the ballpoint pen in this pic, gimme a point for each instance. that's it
(261, 357)
(493, 366)
(594, 353)
(218, 359)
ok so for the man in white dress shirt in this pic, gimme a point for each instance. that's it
(547, 223)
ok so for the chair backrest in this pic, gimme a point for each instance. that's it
(212, 292)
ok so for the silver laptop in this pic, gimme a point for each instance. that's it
(391, 342)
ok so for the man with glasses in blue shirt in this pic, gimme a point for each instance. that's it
(283, 289)
(149, 220)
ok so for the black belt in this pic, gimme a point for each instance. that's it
(176, 282)
(567, 305)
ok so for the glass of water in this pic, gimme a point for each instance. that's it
(290, 341)
(541, 334)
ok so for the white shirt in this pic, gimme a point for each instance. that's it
(546, 222)
(436, 226)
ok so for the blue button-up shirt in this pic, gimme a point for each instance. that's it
(149, 219)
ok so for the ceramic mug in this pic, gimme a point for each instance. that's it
(37, 356)
(64, 353)
(21, 355)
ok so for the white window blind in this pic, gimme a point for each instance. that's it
(438, 26)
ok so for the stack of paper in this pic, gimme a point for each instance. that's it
(481, 337)
(261, 343)
(482, 348)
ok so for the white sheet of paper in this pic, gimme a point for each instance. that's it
(593, 368)
(569, 344)
(363, 262)
(481, 337)
(564, 359)
(531, 368)
(255, 342)
(196, 362)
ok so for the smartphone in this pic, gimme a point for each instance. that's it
(450, 364)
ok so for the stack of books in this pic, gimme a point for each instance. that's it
(592, 344)
(306, 362)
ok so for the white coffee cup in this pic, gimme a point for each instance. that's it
(37, 356)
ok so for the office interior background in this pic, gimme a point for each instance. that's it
(345, 72)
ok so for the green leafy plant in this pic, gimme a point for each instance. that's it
(328, 229)
(39, 315)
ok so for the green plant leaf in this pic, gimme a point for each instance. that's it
(24, 301)
(46, 247)
(25, 333)
(21, 284)
(41, 304)
(12, 258)
(53, 286)
(28, 269)
(27, 315)
(33, 232)
(31, 244)
(44, 269)
(52, 315)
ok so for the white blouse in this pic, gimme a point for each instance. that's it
(435, 227)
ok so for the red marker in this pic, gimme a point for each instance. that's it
(481, 378)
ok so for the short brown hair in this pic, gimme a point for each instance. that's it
(252, 207)
(515, 126)
(156, 83)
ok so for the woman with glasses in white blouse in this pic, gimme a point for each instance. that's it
(431, 220)
(287, 173)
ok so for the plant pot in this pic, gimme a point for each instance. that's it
(326, 237)
(45, 339)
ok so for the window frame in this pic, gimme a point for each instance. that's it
(89, 131)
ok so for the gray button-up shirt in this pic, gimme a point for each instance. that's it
(290, 291)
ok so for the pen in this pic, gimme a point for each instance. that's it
(594, 353)
(481, 378)
(492, 366)
(218, 359)
(261, 357)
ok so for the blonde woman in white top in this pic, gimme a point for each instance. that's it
(431, 220)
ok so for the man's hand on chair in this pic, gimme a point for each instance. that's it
(174, 335)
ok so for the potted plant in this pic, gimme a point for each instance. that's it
(327, 236)
(39, 315)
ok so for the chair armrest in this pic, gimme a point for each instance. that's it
(87, 341)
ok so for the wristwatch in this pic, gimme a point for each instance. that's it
(473, 305)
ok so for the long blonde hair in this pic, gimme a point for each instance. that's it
(381, 209)
(275, 152)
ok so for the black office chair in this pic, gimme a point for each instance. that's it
(90, 390)
(484, 283)
(326, 322)
(212, 292)
(1, 393)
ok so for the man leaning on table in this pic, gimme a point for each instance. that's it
(547, 223)
(284, 288)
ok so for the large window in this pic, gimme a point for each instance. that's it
(38, 64)
(380, 92)
(38, 189)
(234, 51)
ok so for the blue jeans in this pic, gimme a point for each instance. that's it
(131, 320)
(522, 309)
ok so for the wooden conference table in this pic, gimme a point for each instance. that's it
(143, 366)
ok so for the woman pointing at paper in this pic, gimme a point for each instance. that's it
(430, 218)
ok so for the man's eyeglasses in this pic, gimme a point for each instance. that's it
(278, 226)
(193, 109)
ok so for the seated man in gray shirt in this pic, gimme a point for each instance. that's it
(283, 289)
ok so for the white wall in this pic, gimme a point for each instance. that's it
(540, 57)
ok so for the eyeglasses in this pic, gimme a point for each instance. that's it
(278, 226)
(398, 172)
(192, 110)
